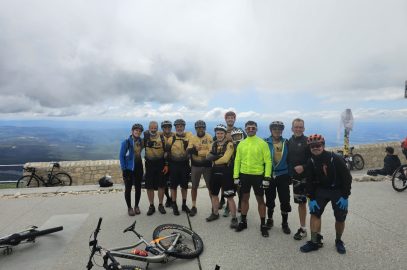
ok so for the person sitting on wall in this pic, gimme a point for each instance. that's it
(391, 163)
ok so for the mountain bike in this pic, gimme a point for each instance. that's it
(26, 236)
(169, 241)
(53, 179)
(399, 178)
(353, 161)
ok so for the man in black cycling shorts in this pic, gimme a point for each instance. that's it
(328, 180)
(252, 168)
(298, 155)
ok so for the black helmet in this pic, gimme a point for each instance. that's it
(200, 123)
(277, 124)
(179, 122)
(221, 127)
(137, 126)
(166, 123)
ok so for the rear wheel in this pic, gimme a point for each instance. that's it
(61, 179)
(189, 245)
(27, 181)
(399, 178)
(358, 162)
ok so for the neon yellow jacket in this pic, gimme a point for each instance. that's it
(252, 157)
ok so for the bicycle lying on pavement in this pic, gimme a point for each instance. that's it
(399, 178)
(169, 240)
(53, 179)
(26, 236)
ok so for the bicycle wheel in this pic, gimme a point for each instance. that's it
(61, 179)
(358, 162)
(131, 267)
(399, 178)
(27, 181)
(189, 245)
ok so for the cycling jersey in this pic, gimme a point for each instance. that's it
(252, 157)
(198, 158)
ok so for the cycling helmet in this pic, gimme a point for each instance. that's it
(137, 126)
(166, 123)
(200, 123)
(277, 124)
(230, 113)
(179, 122)
(221, 127)
(315, 138)
(237, 134)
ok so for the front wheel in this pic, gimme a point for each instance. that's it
(358, 162)
(27, 181)
(399, 178)
(189, 245)
(61, 179)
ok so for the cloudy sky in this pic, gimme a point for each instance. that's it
(99, 59)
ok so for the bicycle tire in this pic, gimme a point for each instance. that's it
(399, 179)
(358, 162)
(131, 267)
(189, 247)
(16, 238)
(27, 181)
(61, 179)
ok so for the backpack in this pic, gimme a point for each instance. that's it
(147, 136)
(106, 181)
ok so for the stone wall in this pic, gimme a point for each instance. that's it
(90, 171)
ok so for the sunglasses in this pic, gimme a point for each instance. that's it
(251, 128)
(316, 145)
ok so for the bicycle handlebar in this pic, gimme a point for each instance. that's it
(93, 244)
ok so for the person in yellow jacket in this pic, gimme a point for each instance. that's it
(221, 155)
(198, 148)
(252, 168)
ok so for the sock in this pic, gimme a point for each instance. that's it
(304, 228)
(243, 218)
(263, 221)
(314, 237)
(151, 205)
(193, 203)
(285, 217)
(338, 236)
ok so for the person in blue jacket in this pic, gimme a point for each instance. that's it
(280, 179)
(132, 167)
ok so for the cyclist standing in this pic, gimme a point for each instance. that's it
(237, 136)
(252, 168)
(328, 180)
(198, 148)
(179, 164)
(155, 166)
(280, 180)
(166, 127)
(132, 167)
(298, 155)
(222, 174)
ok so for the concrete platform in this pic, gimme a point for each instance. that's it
(375, 233)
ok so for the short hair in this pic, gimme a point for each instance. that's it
(390, 150)
(297, 120)
(153, 123)
(250, 123)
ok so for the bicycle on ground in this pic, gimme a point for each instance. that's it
(26, 236)
(353, 161)
(170, 241)
(53, 179)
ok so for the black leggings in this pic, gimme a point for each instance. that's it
(133, 178)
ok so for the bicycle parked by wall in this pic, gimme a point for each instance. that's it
(26, 236)
(353, 161)
(53, 179)
(169, 241)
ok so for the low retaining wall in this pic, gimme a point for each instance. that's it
(90, 171)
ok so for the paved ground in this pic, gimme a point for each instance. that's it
(375, 233)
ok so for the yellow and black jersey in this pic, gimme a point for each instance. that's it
(138, 146)
(225, 151)
(177, 147)
(199, 147)
(154, 146)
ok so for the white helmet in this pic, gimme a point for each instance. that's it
(221, 127)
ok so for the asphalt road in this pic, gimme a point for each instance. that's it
(375, 234)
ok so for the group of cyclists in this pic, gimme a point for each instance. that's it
(232, 163)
